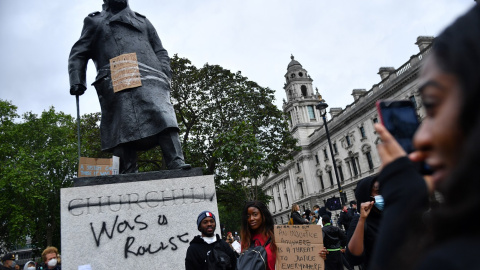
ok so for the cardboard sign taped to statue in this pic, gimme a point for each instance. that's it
(124, 72)
(298, 247)
(88, 167)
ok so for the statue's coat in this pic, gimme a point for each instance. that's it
(135, 115)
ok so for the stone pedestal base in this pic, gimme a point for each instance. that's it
(134, 221)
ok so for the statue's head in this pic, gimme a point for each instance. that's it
(115, 4)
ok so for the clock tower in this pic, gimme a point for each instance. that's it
(303, 117)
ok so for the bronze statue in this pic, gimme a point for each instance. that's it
(140, 115)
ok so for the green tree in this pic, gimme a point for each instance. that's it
(38, 158)
(215, 106)
(150, 160)
(230, 126)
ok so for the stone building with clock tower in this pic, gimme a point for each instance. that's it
(309, 178)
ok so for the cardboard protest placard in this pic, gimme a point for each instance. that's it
(89, 167)
(124, 72)
(298, 247)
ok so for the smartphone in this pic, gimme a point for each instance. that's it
(400, 118)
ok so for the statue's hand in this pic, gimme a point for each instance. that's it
(77, 90)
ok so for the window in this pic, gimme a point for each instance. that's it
(280, 201)
(286, 198)
(300, 184)
(358, 164)
(340, 173)
(311, 112)
(304, 90)
(335, 150)
(354, 166)
(369, 159)
(320, 177)
(362, 132)
(413, 100)
(330, 177)
(299, 169)
(325, 154)
(281, 219)
(316, 159)
(347, 138)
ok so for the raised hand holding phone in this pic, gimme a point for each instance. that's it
(400, 122)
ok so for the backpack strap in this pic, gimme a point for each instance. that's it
(268, 242)
(252, 242)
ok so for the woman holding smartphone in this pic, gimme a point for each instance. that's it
(295, 215)
(448, 140)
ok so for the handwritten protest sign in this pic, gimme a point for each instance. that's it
(89, 167)
(298, 247)
(125, 72)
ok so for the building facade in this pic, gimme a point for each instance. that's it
(309, 178)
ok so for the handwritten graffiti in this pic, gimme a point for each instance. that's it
(120, 228)
(142, 250)
(162, 220)
(131, 248)
(136, 201)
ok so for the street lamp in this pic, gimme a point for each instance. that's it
(322, 107)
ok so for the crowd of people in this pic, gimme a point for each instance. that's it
(50, 261)
(394, 227)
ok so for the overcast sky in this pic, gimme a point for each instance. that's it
(341, 44)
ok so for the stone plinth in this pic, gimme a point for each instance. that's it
(135, 221)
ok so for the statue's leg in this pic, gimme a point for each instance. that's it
(172, 150)
(128, 158)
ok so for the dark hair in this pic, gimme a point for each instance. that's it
(456, 51)
(352, 203)
(326, 218)
(267, 225)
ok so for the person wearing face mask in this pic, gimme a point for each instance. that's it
(50, 259)
(209, 251)
(352, 211)
(30, 265)
(8, 261)
(363, 229)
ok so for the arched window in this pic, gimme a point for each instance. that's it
(304, 90)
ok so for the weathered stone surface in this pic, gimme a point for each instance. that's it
(133, 224)
(123, 178)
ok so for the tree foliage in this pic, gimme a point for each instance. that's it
(229, 124)
(151, 160)
(231, 127)
(38, 158)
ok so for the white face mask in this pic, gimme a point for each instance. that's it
(52, 262)
(31, 268)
